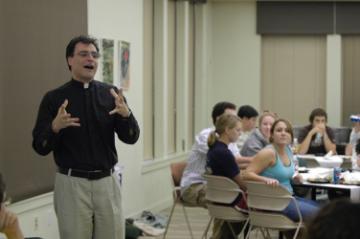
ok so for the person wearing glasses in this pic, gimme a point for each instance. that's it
(9, 223)
(77, 122)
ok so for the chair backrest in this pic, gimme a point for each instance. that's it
(177, 170)
(221, 189)
(266, 197)
(266, 203)
(342, 134)
(297, 130)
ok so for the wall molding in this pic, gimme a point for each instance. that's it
(33, 203)
(160, 163)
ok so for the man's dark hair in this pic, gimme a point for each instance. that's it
(2, 189)
(336, 220)
(357, 147)
(318, 112)
(247, 111)
(83, 39)
(220, 108)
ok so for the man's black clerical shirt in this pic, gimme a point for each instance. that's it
(92, 145)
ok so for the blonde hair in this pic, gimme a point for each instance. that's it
(225, 121)
(267, 113)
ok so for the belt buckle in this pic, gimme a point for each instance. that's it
(97, 174)
(92, 175)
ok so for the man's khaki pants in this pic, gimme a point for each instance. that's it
(88, 209)
(194, 195)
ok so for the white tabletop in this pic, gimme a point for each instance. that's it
(354, 189)
(326, 162)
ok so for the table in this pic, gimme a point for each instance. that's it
(354, 190)
(312, 161)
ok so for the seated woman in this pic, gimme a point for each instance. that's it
(259, 138)
(274, 165)
(9, 224)
(221, 162)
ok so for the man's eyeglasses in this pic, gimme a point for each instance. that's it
(94, 54)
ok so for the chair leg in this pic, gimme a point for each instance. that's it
(243, 231)
(170, 216)
(187, 221)
(231, 229)
(267, 233)
(204, 236)
(296, 232)
(248, 233)
(262, 232)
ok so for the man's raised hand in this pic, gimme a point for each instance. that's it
(120, 105)
(64, 119)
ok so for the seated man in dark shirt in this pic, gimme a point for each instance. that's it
(317, 138)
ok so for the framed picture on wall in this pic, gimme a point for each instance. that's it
(124, 62)
(107, 66)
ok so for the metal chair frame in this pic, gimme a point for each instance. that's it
(177, 197)
(265, 206)
(219, 192)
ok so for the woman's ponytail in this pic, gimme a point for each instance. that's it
(211, 139)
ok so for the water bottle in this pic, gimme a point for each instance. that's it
(295, 146)
(296, 163)
(318, 138)
(336, 176)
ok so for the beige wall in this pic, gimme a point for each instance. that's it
(233, 69)
(291, 66)
(334, 80)
(1, 80)
(33, 62)
(350, 73)
(234, 64)
(142, 188)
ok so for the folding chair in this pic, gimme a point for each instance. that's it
(219, 192)
(177, 170)
(266, 204)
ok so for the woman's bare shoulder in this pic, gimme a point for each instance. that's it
(267, 152)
